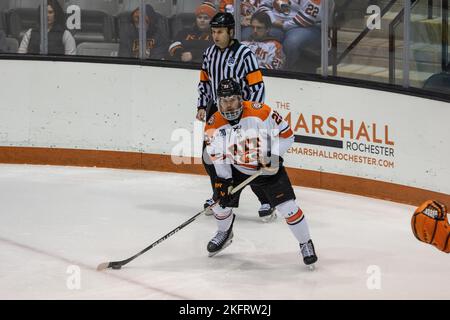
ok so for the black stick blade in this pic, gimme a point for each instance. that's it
(115, 265)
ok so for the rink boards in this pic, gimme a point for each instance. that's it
(361, 141)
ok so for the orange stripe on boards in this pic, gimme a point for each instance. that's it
(254, 77)
(296, 217)
(157, 162)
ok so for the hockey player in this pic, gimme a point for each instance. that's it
(242, 137)
(229, 58)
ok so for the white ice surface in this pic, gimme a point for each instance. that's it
(56, 217)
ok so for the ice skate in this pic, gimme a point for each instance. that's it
(221, 240)
(309, 254)
(207, 204)
(267, 213)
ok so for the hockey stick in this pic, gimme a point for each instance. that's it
(119, 264)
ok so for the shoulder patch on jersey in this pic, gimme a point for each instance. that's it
(262, 112)
(257, 105)
(212, 120)
(216, 121)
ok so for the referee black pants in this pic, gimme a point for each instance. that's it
(209, 167)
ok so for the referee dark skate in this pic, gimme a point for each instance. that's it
(226, 59)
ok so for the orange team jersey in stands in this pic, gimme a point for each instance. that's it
(268, 52)
(259, 131)
(300, 13)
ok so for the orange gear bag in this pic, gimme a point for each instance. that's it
(430, 225)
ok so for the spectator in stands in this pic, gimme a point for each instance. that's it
(268, 50)
(60, 40)
(299, 20)
(190, 43)
(3, 47)
(156, 40)
(248, 7)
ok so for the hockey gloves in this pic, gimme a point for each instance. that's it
(430, 225)
(222, 189)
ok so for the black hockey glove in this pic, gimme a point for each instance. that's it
(270, 165)
(222, 189)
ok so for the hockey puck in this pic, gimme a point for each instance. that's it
(116, 266)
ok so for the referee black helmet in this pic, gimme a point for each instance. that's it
(221, 20)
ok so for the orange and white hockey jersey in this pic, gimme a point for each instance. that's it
(268, 52)
(302, 13)
(261, 131)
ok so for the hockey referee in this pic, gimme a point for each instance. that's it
(226, 59)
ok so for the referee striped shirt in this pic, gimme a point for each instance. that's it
(237, 62)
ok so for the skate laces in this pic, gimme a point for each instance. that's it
(307, 249)
(220, 237)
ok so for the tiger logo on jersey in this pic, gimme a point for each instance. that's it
(257, 106)
(211, 120)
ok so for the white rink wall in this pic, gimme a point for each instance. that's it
(394, 137)
(343, 130)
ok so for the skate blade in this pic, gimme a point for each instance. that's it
(311, 267)
(270, 218)
(212, 254)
